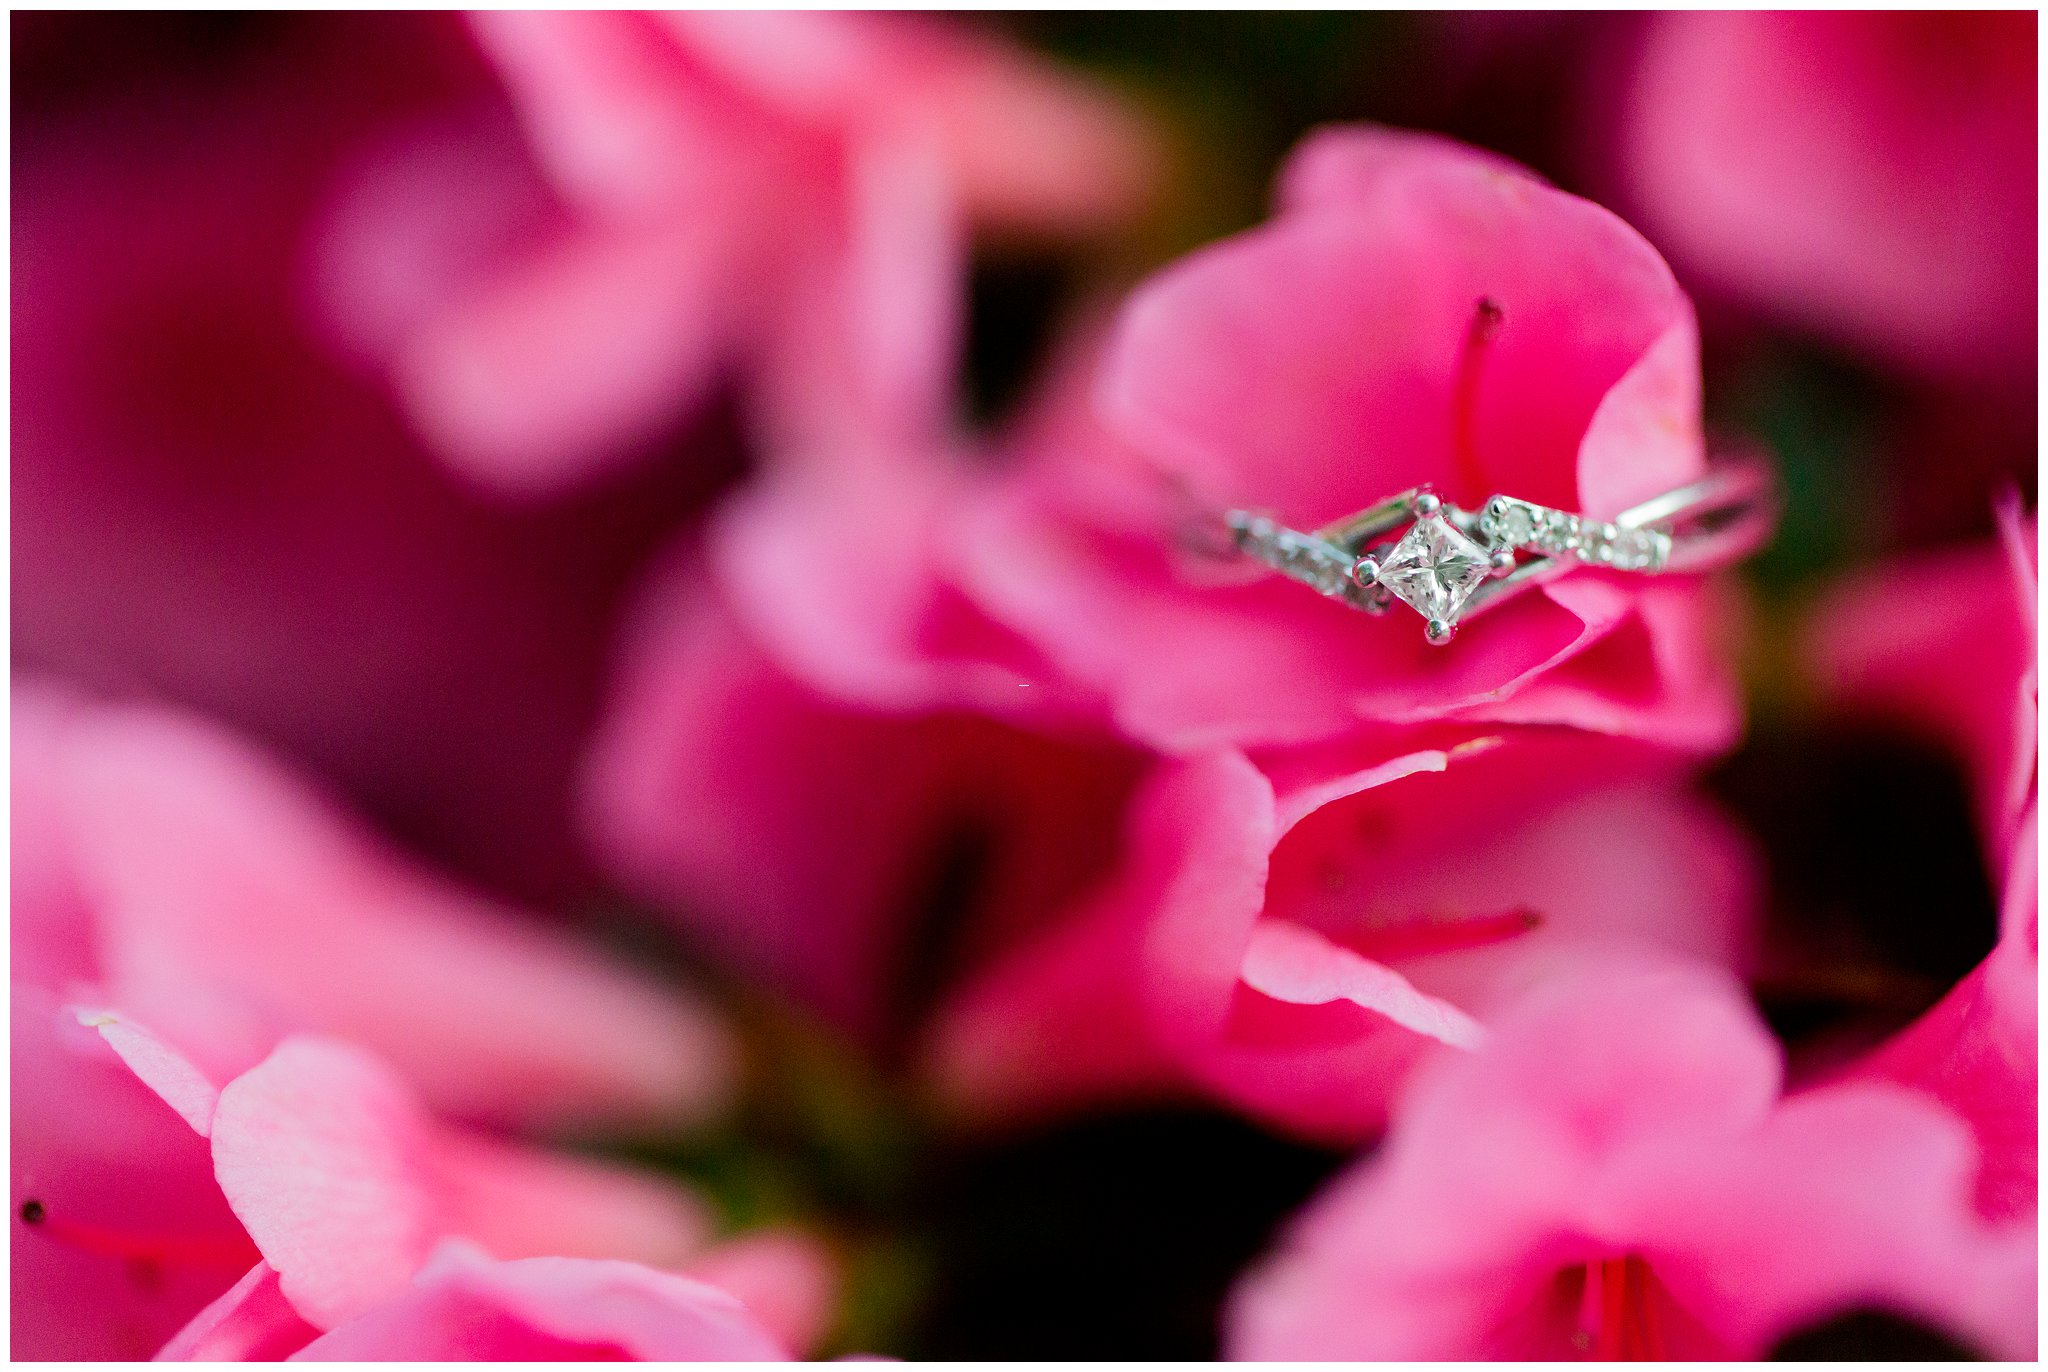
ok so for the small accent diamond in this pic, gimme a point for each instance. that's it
(1514, 523)
(1434, 568)
(1557, 532)
(1635, 550)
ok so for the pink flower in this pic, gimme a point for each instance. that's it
(1867, 174)
(715, 755)
(325, 1170)
(1614, 1176)
(464, 1306)
(1415, 312)
(211, 506)
(1295, 939)
(120, 1233)
(1954, 657)
(782, 195)
(165, 867)
(855, 581)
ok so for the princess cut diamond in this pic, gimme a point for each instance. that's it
(1434, 568)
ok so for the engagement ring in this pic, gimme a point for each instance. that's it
(1451, 564)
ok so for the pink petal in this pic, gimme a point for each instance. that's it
(346, 1185)
(1299, 966)
(129, 1236)
(520, 1202)
(175, 1080)
(1035, 147)
(710, 757)
(787, 1280)
(1347, 166)
(1976, 1050)
(863, 361)
(328, 1162)
(188, 842)
(1372, 858)
(1311, 365)
(714, 755)
(893, 633)
(1057, 1024)
(419, 219)
(465, 1306)
(1024, 145)
(1867, 174)
(1623, 1114)
(1847, 1196)
(615, 112)
(1645, 437)
(52, 933)
(251, 1322)
(559, 367)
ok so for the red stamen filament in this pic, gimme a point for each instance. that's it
(1486, 322)
(166, 1249)
(1622, 1311)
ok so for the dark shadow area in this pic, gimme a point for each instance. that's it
(1879, 894)
(1870, 1335)
(1112, 1237)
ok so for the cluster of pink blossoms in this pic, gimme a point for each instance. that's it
(493, 332)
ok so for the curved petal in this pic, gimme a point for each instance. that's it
(120, 1233)
(1498, 1172)
(346, 1185)
(173, 1077)
(251, 1322)
(465, 1306)
(562, 364)
(1301, 967)
(786, 1279)
(843, 577)
(1407, 866)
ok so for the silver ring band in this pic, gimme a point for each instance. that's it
(1453, 564)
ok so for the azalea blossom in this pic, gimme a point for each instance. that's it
(500, 529)
(786, 195)
(318, 1169)
(466, 1306)
(1614, 1176)
(184, 909)
(1296, 940)
(1415, 312)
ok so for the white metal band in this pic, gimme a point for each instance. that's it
(1453, 564)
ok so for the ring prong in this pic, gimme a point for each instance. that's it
(1365, 571)
(1502, 562)
(1427, 504)
(1438, 632)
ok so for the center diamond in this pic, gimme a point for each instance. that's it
(1434, 568)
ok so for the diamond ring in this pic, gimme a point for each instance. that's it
(1452, 564)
